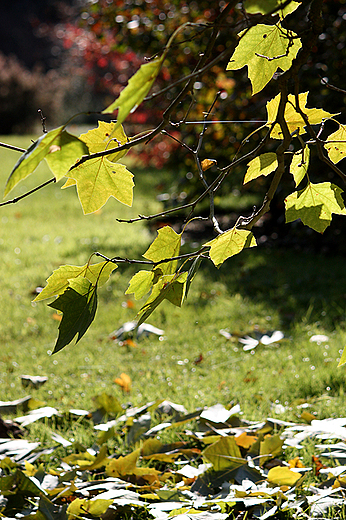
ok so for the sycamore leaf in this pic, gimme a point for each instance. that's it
(166, 245)
(135, 91)
(98, 139)
(83, 506)
(315, 204)
(283, 476)
(300, 164)
(262, 165)
(343, 358)
(337, 150)
(123, 466)
(64, 153)
(264, 49)
(99, 179)
(294, 120)
(68, 150)
(229, 244)
(270, 447)
(141, 283)
(59, 281)
(224, 454)
(170, 287)
(78, 305)
(265, 6)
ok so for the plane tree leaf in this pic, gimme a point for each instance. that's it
(83, 506)
(64, 149)
(300, 164)
(270, 447)
(264, 49)
(170, 287)
(59, 281)
(283, 476)
(141, 283)
(99, 179)
(261, 165)
(266, 6)
(315, 204)
(135, 91)
(224, 454)
(78, 305)
(336, 145)
(98, 139)
(294, 120)
(166, 245)
(229, 244)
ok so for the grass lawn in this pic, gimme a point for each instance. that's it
(261, 289)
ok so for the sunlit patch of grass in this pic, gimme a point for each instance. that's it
(192, 364)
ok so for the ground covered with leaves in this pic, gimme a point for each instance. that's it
(159, 461)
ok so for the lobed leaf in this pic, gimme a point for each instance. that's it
(98, 139)
(229, 244)
(59, 281)
(166, 245)
(64, 152)
(99, 179)
(337, 149)
(300, 164)
(78, 305)
(262, 165)
(264, 49)
(135, 91)
(294, 120)
(266, 6)
(141, 283)
(315, 204)
(224, 454)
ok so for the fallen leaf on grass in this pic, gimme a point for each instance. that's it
(124, 381)
(33, 381)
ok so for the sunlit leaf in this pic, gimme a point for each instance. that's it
(135, 91)
(124, 381)
(336, 150)
(262, 165)
(343, 358)
(78, 305)
(300, 164)
(266, 6)
(283, 476)
(229, 244)
(122, 466)
(99, 179)
(315, 204)
(98, 139)
(264, 49)
(58, 282)
(294, 120)
(270, 447)
(64, 152)
(166, 245)
(82, 506)
(141, 283)
(224, 454)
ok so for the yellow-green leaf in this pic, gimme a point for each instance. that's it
(343, 358)
(99, 179)
(166, 245)
(337, 150)
(266, 6)
(141, 283)
(122, 466)
(270, 447)
(264, 49)
(58, 282)
(229, 244)
(224, 454)
(262, 165)
(283, 476)
(83, 506)
(315, 204)
(300, 164)
(135, 91)
(64, 152)
(294, 120)
(98, 139)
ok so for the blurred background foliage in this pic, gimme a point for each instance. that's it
(71, 56)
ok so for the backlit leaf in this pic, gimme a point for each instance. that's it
(283, 476)
(315, 204)
(262, 165)
(99, 179)
(135, 91)
(78, 305)
(82, 506)
(229, 244)
(337, 150)
(264, 49)
(343, 358)
(266, 6)
(58, 282)
(98, 139)
(294, 120)
(300, 164)
(166, 245)
(141, 283)
(64, 152)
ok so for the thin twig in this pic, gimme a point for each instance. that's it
(16, 199)
(11, 147)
